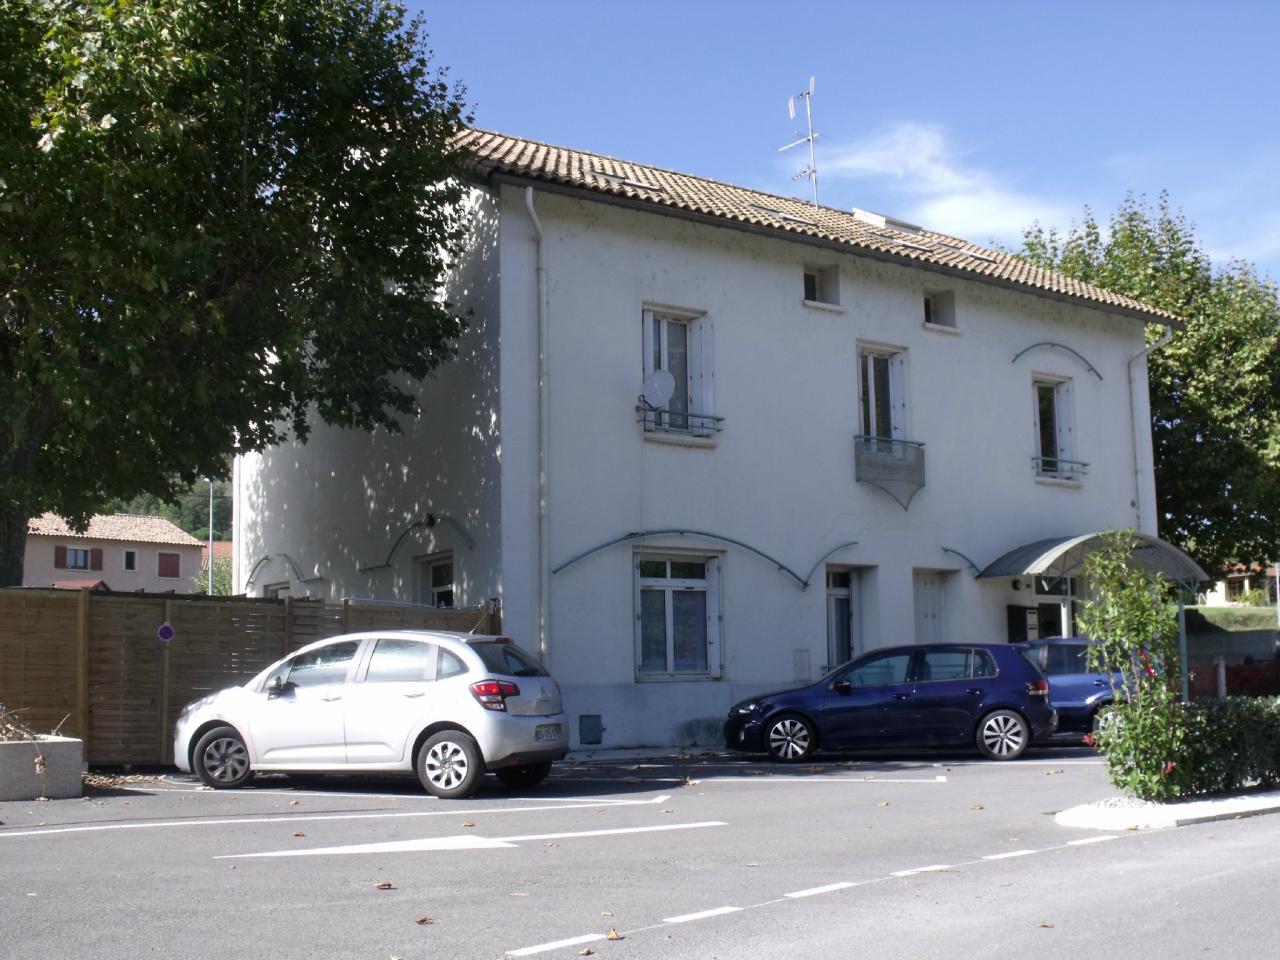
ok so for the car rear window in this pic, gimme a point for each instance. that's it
(507, 658)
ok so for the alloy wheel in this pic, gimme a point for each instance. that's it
(226, 760)
(1003, 735)
(446, 765)
(789, 739)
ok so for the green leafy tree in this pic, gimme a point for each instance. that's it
(1215, 388)
(221, 579)
(217, 217)
(188, 509)
(1131, 616)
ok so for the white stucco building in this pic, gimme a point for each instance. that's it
(848, 419)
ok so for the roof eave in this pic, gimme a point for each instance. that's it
(488, 173)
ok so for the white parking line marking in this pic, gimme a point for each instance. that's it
(1081, 843)
(1011, 853)
(934, 868)
(814, 891)
(701, 915)
(303, 818)
(470, 841)
(555, 945)
(819, 778)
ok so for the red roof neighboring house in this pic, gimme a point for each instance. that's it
(222, 550)
(96, 586)
(114, 526)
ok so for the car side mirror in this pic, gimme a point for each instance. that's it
(278, 686)
(842, 686)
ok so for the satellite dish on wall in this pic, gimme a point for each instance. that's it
(658, 389)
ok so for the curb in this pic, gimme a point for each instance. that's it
(1160, 816)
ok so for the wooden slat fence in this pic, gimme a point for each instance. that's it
(95, 659)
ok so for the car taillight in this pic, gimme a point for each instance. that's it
(493, 694)
(1038, 688)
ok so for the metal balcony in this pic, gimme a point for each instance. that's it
(657, 420)
(1056, 468)
(894, 466)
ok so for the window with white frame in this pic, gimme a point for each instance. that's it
(681, 344)
(677, 615)
(1055, 436)
(434, 580)
(822, 285)
(882, 393)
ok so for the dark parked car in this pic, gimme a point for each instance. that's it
(985, 695)
(1077, 692)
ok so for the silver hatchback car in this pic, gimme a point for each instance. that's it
(449, 706)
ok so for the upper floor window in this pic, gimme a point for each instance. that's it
(822, 285)
(940, 309)
(882, 393)
(1055, 436)
(131, 560)
(681, 345)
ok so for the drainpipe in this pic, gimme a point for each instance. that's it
(1133, 426)
(544, 563)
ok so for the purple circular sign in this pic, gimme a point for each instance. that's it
(165, 632)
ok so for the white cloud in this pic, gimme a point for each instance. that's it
(940, 192)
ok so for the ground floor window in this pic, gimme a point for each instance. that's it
(677, 615)
(434, 580)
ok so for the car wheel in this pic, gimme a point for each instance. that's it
(526, 775)
(790, 738)
(450, 765)
(221, 760)
(1003, 735)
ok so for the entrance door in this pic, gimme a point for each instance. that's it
(931, 612)
(839, 617)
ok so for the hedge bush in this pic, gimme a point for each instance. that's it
(1197, 748)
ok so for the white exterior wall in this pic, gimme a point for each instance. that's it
(341, 501)
(780, 476)
(38, 568)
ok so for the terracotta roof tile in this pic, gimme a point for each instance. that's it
(641, 185)
(114, 526)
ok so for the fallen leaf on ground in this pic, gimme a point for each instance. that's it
(1050, 773)
(613, 935)
(753, 864)
(551, 844)
(976, 806)
(606, 913)
(293, 803)
(468, 823)
(816, 769)
(760, 773)
(868, 777)
(520, 893)
(384, 885)
(666, 811)
(423, 921)
(883, 803)
(1044, 924)
(585, 952)
(298, 833)
(688, 781)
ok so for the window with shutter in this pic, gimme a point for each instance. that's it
(168, 566)
(681, 345)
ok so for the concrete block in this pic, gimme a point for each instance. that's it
(21, 779)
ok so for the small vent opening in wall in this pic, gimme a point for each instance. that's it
(590, 728)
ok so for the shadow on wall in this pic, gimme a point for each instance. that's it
(340, 502)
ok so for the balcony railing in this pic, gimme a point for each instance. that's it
(671, 421)
(1057, 468)
(894, 466)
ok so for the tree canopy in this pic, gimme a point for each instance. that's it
(215, 219)
(1215, 388)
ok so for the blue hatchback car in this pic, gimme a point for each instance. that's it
(985, 695)
(1076, 691)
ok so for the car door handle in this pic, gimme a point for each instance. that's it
(1099, 683)
(902, 696)
(974, 691)
(332, 697)
(412, 695)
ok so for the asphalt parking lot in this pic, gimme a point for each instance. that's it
(677, 856)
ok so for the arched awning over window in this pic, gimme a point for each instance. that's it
(1065, 556)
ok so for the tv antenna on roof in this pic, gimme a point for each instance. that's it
(810, 171)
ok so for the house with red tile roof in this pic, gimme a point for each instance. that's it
(123, 551)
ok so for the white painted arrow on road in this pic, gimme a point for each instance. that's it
(468, 841)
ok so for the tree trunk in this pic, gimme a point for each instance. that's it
(13, 543)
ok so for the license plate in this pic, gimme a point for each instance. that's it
(548, 731)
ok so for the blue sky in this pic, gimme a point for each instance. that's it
(973, 118)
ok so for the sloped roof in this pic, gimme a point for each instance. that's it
(681, 194)
(114, 526)
(222, 550)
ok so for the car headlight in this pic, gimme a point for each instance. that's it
(193, 706)
(746, 709)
